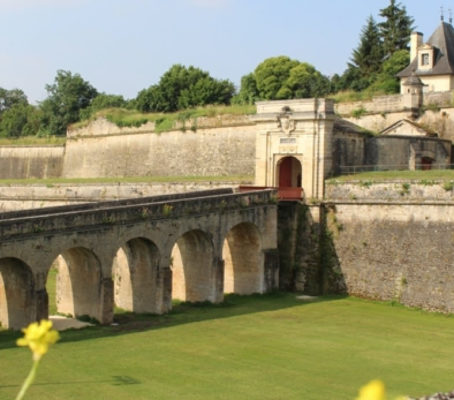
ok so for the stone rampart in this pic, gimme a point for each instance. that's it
(390, 241)
(218, 147)
(380, 104)
(17, 162)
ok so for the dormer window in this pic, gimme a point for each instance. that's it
(425, 59)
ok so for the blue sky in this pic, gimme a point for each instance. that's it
(123, 46)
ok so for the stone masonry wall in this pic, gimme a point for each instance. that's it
(17, 162)
(391, 241)
(216, 147)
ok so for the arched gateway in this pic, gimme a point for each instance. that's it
(289, 178)
(294, 146)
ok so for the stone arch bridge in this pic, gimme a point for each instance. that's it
(137, 254)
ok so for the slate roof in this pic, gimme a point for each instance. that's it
(443, 42)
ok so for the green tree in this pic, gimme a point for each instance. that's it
(396, 28)
(17, 117)
(386, 81)
(248, 93)
(282, 78)
(20, 120)
(368, 56)
(271, 76)
(102, 101)
(67, 96)
(184, 87)
(9, 98)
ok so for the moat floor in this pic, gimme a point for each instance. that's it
(258, 347)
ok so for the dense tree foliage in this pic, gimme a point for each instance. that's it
(396, 28)
(103, 101)
(368, 56)
(282, 78)
(10, 98)
(381, 53)
(184, 87)
(17, 117)
(67, 96)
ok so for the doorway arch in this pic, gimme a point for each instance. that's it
(289, 178)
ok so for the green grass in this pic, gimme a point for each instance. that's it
(165, 121)
(33, 140)
(130, 179)
(257, 347)
(442, 175)
(51, 287)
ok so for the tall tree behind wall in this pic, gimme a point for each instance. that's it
(67, 96)
(282, 78)
(396, 28)
(17, 116)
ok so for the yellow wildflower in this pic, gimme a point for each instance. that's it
(374, 390)
(38, 336)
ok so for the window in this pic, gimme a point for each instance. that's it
(425, 59)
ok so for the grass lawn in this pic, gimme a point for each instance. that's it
(257, 347)
(422, 176)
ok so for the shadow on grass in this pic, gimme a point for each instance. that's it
(117, 380)
(182, 313)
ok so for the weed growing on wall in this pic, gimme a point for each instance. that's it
(167, 210)
(359, 112)
(405, 189)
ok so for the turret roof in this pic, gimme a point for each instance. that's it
(443, 42)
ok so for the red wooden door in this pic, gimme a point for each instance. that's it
(285, 172)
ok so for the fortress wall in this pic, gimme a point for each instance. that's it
(439, 98)
(23, 197)
(17, 162)
(390, 241)
(402, 252)
(224, 150)
(389, 191)
(391, 103)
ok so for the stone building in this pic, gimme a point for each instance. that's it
(432, 62)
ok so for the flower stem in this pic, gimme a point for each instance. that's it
(29, 380)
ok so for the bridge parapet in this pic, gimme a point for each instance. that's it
(92, 216)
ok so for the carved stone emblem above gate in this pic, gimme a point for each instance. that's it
(286, 124)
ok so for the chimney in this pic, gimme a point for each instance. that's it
(415, 42)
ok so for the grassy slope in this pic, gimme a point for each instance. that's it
(423, 176)
(269, 347)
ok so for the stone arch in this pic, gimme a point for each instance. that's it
(243, 260)
(193, 278)
(16, 293)
(78, 283)
(134, 272)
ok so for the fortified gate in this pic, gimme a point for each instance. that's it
(294, 146)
